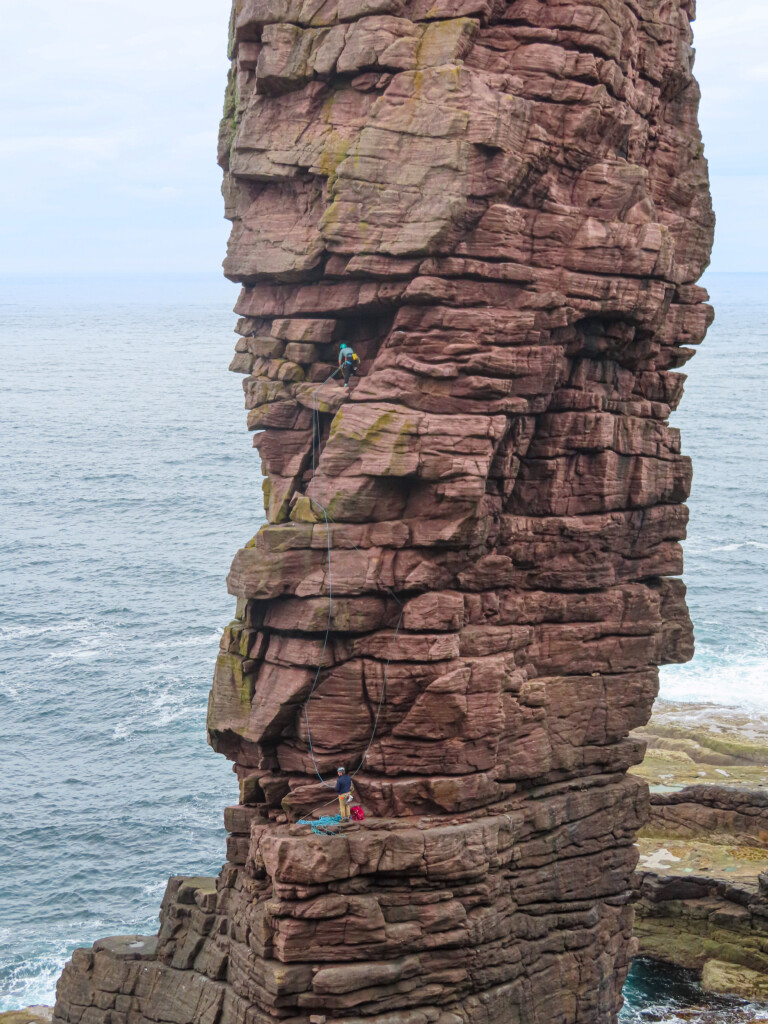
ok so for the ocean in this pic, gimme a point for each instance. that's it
(127, 482)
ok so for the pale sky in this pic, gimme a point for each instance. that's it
(109, 111)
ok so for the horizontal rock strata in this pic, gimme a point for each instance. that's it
(722, 814)
(465, 583)
(704, 902)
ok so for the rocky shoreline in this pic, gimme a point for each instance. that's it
(702, 896)
(29, 1015)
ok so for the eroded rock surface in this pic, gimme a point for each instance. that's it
(702, 894)
(701, 744)
(467, 578)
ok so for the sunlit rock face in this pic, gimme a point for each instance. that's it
(468, 575)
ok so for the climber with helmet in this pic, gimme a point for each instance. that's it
(348, 362)
(344, 789)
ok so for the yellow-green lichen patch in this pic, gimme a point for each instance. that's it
(445, 41)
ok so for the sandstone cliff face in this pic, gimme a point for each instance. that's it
(467, 579)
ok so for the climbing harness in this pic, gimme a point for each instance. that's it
(328, 520)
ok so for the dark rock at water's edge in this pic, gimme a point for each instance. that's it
(659, 992)
(701, 883)
(468, 577)
(702, 889)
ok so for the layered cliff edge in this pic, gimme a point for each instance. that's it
(468, 577)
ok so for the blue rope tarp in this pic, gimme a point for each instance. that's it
(323, 826)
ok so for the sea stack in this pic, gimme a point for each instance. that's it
(469, 571)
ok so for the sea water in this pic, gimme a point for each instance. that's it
(127, 482)
(724, 422)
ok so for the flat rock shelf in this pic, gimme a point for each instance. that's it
(702, 891)
(469, 573)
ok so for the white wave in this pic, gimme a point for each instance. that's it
(22, 631)
(658, 1014)
(155, 890)
(158, 710)
(739, 1013)
(743, 544)
(193, 641)
(168, 715)
(31, 982)
(96, 643)
(741, 682)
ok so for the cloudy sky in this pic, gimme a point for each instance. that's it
(109, 110)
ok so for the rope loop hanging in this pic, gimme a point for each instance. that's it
(328, 520)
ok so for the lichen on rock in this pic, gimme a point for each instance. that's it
(702, 894)
(466, 583)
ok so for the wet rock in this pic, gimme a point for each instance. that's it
(30, 1015)
(731, 979)
(700, 893)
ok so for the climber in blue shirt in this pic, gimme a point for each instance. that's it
(344, 789)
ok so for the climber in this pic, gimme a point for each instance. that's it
(348, 362)
(344, 789)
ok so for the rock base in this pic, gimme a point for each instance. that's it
(29, 1015)
(734, 980)
(701, 902)
(520, 917)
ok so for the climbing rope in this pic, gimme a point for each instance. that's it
(328, 520)
(324, 826)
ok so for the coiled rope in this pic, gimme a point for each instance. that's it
(323, 826)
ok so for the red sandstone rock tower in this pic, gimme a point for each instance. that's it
(467, 578)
